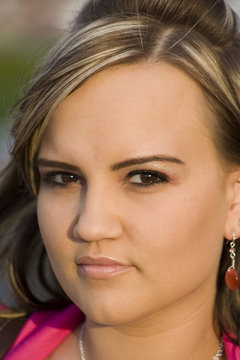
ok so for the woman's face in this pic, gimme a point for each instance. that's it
(129, 174)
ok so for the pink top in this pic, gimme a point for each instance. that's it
(46, 330)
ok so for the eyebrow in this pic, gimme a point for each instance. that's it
(114, 167)
(146, 159)
(57, 164)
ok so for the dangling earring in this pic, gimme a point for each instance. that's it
(231, 276)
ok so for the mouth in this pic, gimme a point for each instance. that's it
(101, 267)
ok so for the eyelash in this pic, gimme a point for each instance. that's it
(51, 179)
(160, 178)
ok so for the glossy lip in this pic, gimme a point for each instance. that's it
(101, 267)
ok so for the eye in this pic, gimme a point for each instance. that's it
(147, 178)
(58, 178)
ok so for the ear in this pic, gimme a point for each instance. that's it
(232, 224)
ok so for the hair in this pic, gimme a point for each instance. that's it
(199, 37)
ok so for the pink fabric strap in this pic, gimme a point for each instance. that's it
(232, 350)
(44, 332)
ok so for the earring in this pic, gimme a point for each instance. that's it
(231, 276)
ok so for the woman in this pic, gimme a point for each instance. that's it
(126, 159)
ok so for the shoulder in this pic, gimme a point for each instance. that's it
(45, 330)
(232, 350)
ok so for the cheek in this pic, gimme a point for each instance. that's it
(180, 230)
(56, 212)
(54, 218)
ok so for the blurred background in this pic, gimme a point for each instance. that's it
(28, 28)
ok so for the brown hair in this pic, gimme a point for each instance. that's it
(200, 37)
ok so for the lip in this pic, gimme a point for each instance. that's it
(102, 267)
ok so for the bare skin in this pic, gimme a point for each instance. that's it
(163, 217)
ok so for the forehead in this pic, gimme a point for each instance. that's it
(132, 108)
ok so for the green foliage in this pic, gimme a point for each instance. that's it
(18, 60)
(13, 73)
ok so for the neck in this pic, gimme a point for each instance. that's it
(175, 334)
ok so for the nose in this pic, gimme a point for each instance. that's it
(98, 217)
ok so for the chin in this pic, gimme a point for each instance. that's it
(110, 312)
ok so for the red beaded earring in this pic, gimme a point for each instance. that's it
(231, 276)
